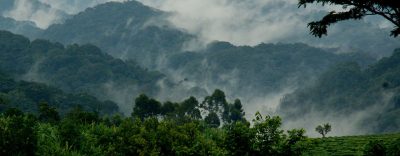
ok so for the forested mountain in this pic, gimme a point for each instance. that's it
(138, 32)
(126, 30)
(368, 96)
(26, 96)
(35, 11)
(75, 68)
(25, 28)
(250, 72)
(140, 36)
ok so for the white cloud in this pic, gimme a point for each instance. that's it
(26, 10)
(244, 22)
(75, 6)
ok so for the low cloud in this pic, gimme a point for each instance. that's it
(75, 6)
(250, 22)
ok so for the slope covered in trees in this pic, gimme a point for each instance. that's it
(347, 89)
(26, 96)
(19, 27)
(74, 68)
(256, 71)
(126, 30)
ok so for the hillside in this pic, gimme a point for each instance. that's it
(34, 11)
(27, 95)
(25, 28)
(75, 69)
(141, 33)
(347, 145)
(131, 31)
(251, 72)
(346, 89)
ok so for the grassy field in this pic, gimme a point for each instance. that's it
(346, 145)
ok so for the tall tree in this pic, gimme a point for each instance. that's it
(212, 120)
(269, 138)
(216, 102)
(190, 107)
(323, 129)
(47, 113)
(146, 107)
(355, 9)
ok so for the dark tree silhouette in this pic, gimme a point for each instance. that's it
(357, 9)
(323, 129)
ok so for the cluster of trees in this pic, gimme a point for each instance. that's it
(215, 108)
(25, 95)
(153, 129)
(124, 30)
(259, 70)
(74, 69)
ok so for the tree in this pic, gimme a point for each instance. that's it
(212, 120)
(357, 9)
(236, 112)
(216, 102)
(168, 109)
(47, 113)
(238, 138)
(190, 107)
(295, 136)
(324, 129)
(17, 135)
(269, 138)
(146, 107)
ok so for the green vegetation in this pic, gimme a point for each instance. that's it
(258, 70)
(147, 132)
(347, 88)
(128, 30)
(19, 27)
(74, 69)
(26, 96)
(150, 132)
(353, 145)
(323, 129)
(387, 9)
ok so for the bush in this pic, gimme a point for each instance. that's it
(375, 148)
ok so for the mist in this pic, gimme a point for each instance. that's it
(252, 22)
(240, 22)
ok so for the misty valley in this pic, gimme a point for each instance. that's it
(199, 77)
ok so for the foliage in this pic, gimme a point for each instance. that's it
(212, 120)
(84, 133)
(347, 88)
(79, 70)
(374, 148)
(124, 33)
(258, 70)
(355, 9)
(146, 107)
(17, 135)
(324, 129)
(394, 148)
(25, 95)
(239, 139)
(347, 145)
(47, 113)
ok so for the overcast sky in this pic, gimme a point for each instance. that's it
(241, 22)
